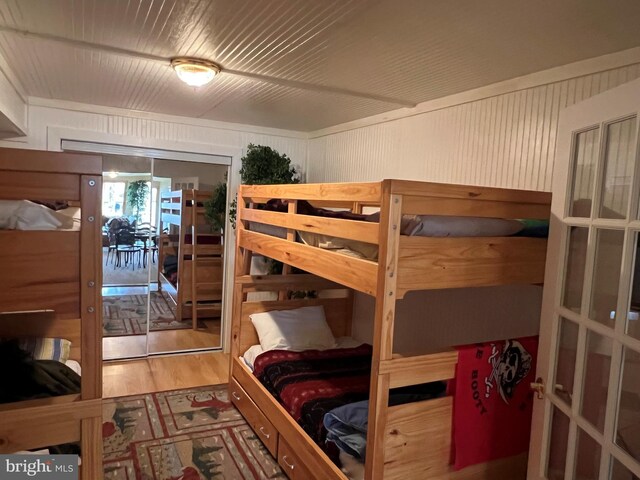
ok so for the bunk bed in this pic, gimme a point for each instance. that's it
(51, 288)
(403, 441)
(190, 258)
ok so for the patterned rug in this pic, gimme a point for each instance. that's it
(127, 315)
(193, 434)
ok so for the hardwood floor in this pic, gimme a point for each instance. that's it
(164, 341)
(130, 346)
(169, 372)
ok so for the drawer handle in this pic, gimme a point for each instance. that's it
(236, 396)
(265, 434)
(284, 459)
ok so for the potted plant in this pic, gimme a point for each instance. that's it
(215, 208)
(137, 193)
(262, 165)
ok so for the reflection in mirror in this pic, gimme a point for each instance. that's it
(128, 261)
(189, 200)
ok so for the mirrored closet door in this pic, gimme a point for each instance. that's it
(191, 200)
(163, 255)
(127, 231)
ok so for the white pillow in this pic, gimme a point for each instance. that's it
(299, 329)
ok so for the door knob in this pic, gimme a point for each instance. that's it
(538, 387)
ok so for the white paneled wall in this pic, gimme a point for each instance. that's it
(504, 141)
(160, 128)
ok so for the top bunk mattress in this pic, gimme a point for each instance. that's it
(411, 225)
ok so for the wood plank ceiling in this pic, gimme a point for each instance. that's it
(297, 64)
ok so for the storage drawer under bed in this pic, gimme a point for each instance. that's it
(291, 464)
(255, 418)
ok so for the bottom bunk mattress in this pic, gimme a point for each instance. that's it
(311, 383)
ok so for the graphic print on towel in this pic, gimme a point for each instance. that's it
(493, 402)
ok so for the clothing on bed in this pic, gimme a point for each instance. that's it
(492, 401)
(347, 425)
(27, 215)
(26, 378)
(311, 383)
(170, 268)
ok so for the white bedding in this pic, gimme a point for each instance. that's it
(26, 215)
(252, 353)
(75, 366)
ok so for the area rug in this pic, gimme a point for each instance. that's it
(127, 315)
(193, 434)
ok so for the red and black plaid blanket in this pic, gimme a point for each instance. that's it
(311, 383)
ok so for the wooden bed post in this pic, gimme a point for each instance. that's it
(390, 217)
(90, 280)
(292, 209)
(242, 267)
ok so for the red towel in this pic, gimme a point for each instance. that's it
(493, 402)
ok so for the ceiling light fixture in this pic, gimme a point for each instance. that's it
(194, 71)
(112, 174)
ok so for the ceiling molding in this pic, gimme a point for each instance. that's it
(161, 117)
(545, 77)
(98, 47)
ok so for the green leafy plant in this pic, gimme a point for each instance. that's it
(215, 208)
(137, 193)
(263, 165)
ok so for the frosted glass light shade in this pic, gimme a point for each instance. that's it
(195, 72)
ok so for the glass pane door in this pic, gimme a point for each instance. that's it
(593, 426)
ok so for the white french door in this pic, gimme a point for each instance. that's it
(587, 425)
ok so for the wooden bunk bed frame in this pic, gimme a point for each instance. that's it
(199, 281)
(405, 441)
(56, 275)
